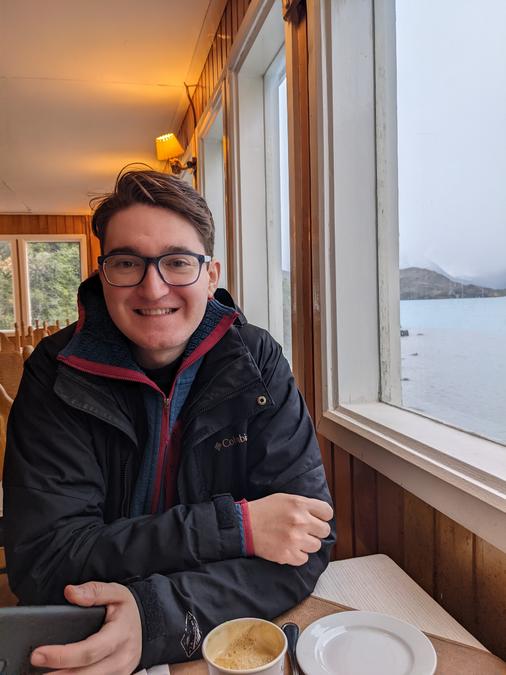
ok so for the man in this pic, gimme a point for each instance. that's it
(159, 454)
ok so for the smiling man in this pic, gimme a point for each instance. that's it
(160, 460)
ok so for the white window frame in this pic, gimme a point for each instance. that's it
(211, 174)
(16, 290)
(20, 268)
(272, 79)
(260, 38)
(353, 81)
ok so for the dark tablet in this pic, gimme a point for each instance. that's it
(22, 629)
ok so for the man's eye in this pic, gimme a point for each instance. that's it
(124, 264)
(177, 263)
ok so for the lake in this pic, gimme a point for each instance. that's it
(454, 362)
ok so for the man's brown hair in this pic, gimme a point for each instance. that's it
(153, 188)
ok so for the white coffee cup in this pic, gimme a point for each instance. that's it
(245, 646)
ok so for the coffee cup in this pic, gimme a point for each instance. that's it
(245, 646)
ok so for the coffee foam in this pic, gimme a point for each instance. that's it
(245, 652)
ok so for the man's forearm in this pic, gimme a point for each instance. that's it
(178, 610)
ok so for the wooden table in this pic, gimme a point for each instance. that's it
(376, 583)
(453, 658)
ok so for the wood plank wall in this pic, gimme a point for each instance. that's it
(465, 574)
(216, 59)
(14, 224)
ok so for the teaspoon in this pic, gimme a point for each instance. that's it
(291, 630)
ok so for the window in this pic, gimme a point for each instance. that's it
(260, 145)
(451, 149)
(396, 128)
(278, 224)
(39, 277)
(212, 179)
(7, 303)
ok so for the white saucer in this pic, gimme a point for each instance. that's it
(364, 643)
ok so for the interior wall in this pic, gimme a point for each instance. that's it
(464, 573)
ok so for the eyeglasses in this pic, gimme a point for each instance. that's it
(176, 269)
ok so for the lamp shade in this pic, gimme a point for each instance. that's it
(167, 147)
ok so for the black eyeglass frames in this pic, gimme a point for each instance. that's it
(175, 269)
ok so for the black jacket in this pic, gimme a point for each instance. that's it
(73, 452)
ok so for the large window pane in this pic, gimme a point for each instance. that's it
(277, 202)
(285, 219)
(6, 287)
(54, 274)
(451, 107)
(213, 185)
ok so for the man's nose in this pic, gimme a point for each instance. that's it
(153, 286)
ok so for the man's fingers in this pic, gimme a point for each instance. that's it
(320, 509)
(95, 593)
(311, 544)
(111, 666)
(78, 654)
(285, 525)
(298, 558)
(319, 528)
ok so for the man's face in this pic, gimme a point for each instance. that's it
(157, 338)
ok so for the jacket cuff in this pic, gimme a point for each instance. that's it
(228, 527)
(242, 510)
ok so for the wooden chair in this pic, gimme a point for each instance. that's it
(26, 351)
(11, 369)
(7, 598)
(28, 339)
(38, 333)
(53, 328)
(5, 407)
(5, 344)
(17, 336)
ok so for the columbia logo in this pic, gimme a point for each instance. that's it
(229, 442)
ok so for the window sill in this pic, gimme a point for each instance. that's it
(461, 475)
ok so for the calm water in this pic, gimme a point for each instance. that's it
(454, 362)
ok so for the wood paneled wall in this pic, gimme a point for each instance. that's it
(14, 224)
(465, 574)
(216, 59)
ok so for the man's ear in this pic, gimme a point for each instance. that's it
(214, 277)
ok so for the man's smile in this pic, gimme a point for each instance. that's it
(156, 312)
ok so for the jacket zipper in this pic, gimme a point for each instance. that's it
(162, 452)
(125, 501)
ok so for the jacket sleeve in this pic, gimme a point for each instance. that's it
(54, 496)
(178, 610)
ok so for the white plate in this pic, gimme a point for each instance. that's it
(364, 643)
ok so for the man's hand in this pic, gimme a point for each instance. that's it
(115, 649)
(287, 527)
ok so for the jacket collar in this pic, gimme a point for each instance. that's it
(99, 347)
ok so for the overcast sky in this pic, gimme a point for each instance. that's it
(451, 60)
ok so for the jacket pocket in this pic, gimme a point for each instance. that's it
(219, 463)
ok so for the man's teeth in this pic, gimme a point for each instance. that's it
(155, 312)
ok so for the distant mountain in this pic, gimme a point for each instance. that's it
(417, 283)
(494, 280)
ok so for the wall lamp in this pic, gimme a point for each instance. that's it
(169, 149)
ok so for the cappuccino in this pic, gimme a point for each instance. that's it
(245, 646)
(245, 652)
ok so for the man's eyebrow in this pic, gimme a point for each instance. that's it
(134, 251)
